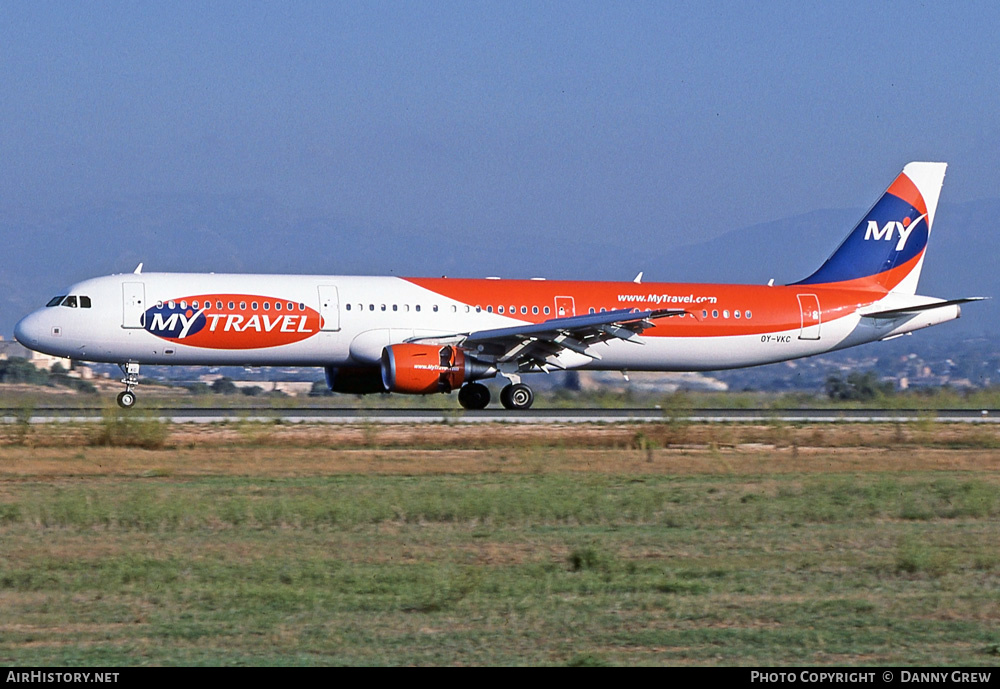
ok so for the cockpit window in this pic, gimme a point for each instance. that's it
(73, 301)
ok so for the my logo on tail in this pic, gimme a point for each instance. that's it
(903, 228)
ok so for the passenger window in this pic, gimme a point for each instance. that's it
(489, 309)
(383, 307)
(267, 306)
(371, 307)
(277, 306)
(302, 307)
(736, 314)
(416, 307)
(715, 313)
(546, 310)
(534, 309)
(218, 305)
(435, 308)
(499, 309)
(395, 307)
(748, 314)
(232, 305)
(70, 302)
(253, 305)
(291, 307)
(56, 301)
(725, 313)
(243, 306)
(524, 309)
(591, 310)
(184, 303)
(348, 307)
(84, 302)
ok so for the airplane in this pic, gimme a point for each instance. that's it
(436, 335)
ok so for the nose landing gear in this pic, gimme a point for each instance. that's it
(126, 399)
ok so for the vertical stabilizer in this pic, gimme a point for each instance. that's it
(886, 250)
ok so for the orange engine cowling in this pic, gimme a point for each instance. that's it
(420, 369)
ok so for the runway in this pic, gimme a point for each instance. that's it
(350, 415)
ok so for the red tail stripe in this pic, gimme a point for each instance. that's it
(906, 190)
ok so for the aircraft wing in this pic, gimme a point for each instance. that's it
(543, 346)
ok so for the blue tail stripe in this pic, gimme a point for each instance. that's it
(872, 247)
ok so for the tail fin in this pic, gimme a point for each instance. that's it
(887, 247)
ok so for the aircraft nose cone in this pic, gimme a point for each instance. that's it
(29, 331)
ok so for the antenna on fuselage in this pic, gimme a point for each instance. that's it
(638, 278)
(138, 269)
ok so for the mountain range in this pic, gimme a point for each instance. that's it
(45, 252)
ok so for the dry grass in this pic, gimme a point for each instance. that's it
(674, 543)
(271, 450)
(54, 463)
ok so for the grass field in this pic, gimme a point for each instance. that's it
(133, 542)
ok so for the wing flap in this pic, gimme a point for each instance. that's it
(571, 325)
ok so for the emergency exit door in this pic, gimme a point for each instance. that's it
(329, 307)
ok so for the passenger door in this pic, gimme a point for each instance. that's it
(133, 304)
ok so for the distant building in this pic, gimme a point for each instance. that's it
(10, 349)
(290, 388)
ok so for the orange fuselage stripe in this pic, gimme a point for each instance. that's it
(772, 309)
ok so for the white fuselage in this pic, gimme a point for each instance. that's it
(293, 320)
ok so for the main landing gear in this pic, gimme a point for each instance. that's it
(126, 399)
(474, 396)
(515, 396)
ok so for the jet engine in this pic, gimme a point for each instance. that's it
(420, 369)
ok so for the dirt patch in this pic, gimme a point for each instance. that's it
(290, 450)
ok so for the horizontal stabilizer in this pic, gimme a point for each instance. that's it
(896, 313)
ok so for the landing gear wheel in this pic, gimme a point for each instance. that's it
(131, 370)
(516, 396)
(474, 396)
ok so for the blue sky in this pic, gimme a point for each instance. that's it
(541, 122)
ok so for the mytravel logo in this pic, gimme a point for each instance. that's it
(232, 321)
(886, 231)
